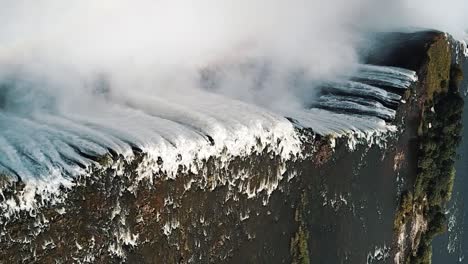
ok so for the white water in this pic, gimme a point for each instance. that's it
(356, 105)
(47, 143)
(363, 90)
(386, 76)
(177, 128)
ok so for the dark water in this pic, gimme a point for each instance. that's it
(452, 247)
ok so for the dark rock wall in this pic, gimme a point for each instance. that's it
(332, 206)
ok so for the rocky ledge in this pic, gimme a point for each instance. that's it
(352, 198)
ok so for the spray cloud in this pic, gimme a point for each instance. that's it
(159, 47)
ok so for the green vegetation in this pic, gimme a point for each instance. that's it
(439, 135)
(404, 210)
(437, 148)
(423, 256)
(438, 69)
(299, 247)
(436, 172)
(299, 243)
(424, 253)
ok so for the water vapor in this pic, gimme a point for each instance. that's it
(78, 78)
(255, 48)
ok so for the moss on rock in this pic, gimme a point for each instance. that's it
(438, 66)
(299, 247)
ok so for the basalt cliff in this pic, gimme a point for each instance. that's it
(362, 177)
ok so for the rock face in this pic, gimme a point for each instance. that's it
(333, 202)
(250, 211)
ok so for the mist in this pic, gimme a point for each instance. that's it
(159, 47)
(255, 48)
(83, 77)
